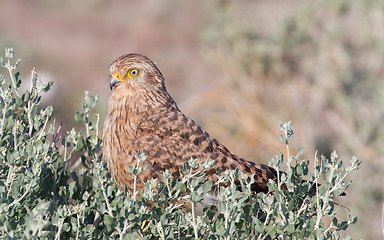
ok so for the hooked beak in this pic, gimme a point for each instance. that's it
(115, 79)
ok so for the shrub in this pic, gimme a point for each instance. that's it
(42, 198)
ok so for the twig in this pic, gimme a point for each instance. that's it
(105, 197)
(194, 221)
(57, 237)
(10, 68)
(382, 220)
(317, 194)
(125, 228)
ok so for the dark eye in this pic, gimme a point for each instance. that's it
(133, 72)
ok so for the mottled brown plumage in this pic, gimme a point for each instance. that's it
(142, 115)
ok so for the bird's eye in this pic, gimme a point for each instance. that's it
(134, 72)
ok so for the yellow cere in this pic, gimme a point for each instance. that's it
(117, 75)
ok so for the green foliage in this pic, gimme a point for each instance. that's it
(301, 60)
(43, 198)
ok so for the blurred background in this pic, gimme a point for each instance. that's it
(236, 67)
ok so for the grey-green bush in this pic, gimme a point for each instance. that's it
(42, 198)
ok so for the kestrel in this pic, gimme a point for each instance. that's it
(143, 116)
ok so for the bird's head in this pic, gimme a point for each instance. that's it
(132, 73)
(135, 78)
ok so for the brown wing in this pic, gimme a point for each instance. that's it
(169, 138)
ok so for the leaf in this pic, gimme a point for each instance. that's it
(9, 52)
(15, 189)
(343, 225)
(18, 79)
(206, 187)
(300, 152)
(80, 143)
(66, 227)
(185, 167)
(71, 189)
(195, 197)
(79, 117)
(26, 96)
(181, 186)
(90, 100)
(48, 111)
(48, 86)
(108, 221)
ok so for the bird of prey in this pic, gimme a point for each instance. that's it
(143, 116)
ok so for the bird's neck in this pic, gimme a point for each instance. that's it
(133, 106)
